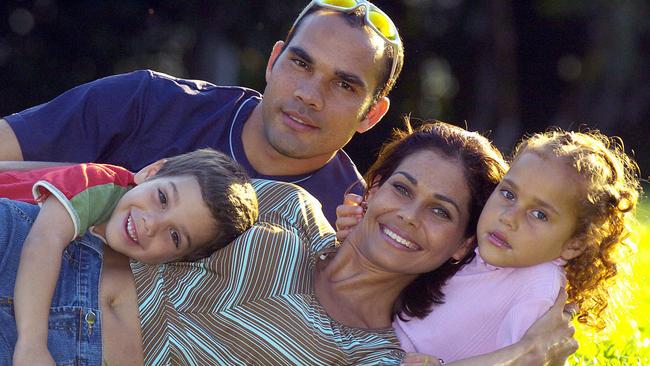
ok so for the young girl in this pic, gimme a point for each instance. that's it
(558, 218)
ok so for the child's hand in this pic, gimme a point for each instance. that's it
(32, 353)
(420, 359)
(348, 215)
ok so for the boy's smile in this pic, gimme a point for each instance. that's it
(130, 228)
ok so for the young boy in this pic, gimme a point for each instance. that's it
(177, 209)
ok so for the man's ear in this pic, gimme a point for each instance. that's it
(275, 53)
(573, 248)
(375, 114)
(148, 171)
(464, 248)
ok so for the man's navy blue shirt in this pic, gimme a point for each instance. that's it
(137, 118)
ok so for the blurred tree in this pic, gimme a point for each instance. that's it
(501, 66)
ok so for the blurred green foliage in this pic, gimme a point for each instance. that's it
(629, 342)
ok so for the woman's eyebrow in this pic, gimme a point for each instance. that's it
(447, 199)
(437, 196)
(407, 176)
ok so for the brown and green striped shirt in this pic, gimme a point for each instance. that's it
(253, 302)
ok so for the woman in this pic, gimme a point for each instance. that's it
(284, 293)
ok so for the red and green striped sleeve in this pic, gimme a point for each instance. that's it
(89, 192)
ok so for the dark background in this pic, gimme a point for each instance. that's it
(501, 67)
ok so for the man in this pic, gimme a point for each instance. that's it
(328, 80)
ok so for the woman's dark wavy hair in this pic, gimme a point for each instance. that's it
(483, 166)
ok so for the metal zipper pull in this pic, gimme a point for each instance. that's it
(90, 320)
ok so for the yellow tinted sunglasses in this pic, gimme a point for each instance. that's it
(375, 18)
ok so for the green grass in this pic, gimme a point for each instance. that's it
(629, 341)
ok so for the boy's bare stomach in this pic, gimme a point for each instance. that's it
(121, 338)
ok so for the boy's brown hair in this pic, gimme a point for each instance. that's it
(226, 190)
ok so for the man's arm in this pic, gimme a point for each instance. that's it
(11, 155)
(9, 146)
(38, 272)
(8, 166)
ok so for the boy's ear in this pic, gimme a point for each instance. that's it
(573, 248)
(148, 171)
(464, 248)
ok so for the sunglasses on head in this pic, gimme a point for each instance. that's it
(375, 18)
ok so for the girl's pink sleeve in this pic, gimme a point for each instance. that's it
(520, 317)
(404, 340)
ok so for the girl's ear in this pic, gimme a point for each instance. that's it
(148, 171)
(464, 248)
(573, 247)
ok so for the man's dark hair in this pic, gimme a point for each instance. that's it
(226, 190)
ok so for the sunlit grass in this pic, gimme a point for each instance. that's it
(629, 341)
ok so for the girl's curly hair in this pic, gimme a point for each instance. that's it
(610, 192)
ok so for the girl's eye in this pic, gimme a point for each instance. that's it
(176, 239)
(401, 189)
(162, 198)
(507, 194)
(539, 215)
(440, 212)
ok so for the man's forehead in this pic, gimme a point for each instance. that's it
(325, 32)
(333, 24)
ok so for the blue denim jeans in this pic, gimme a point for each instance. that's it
(74, 336)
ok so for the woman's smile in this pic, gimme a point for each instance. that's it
(398, 240)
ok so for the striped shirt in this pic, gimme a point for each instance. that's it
(253, 302)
